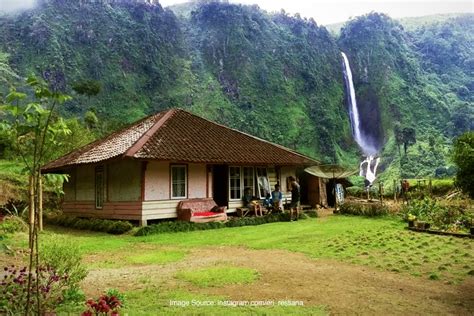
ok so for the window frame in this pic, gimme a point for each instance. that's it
(185, 182)
(240, 184)
(243, 179)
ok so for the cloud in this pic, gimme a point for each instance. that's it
(10, 6)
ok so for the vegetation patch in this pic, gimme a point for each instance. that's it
(363, 209)
(12, 224)
(182, 226)
(179, 302)
(218, 276)
(94, 224)
(449, 218)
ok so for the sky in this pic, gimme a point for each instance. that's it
(324, 11)
(333, 11)
(14, 5)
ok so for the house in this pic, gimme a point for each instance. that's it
(143, 171)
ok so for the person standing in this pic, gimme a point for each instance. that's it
(405, 188)
(295, 198)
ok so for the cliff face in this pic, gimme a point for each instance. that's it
(275, 76)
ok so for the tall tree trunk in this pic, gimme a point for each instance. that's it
(31, 214)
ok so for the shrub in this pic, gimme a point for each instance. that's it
(442, 186)
(104, 305)
(119, 227)
(12, 224)
(15, 289)
(451, 218)
(182, 226)
(363, 209)
(66, 259)
(120, 296)
(94, 224)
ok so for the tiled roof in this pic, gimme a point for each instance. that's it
(177, 135)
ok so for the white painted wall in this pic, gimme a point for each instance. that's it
(209, 183)
(157, 177)
(197, 181)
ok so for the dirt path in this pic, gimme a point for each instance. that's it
(342, 288)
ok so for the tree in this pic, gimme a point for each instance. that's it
(398, 136)
(463, 157)
(405, 136)
(6, 73)
(35, 130)
(88, 88)
(409, 137)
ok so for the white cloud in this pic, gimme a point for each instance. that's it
(333, 11)
(9, 6)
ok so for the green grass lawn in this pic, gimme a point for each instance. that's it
(379, 243)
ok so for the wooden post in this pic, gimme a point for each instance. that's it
(40, 204)
(31, 214)
(395, 191)
(381, 192)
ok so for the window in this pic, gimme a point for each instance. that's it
(234, 183)
(248, 177)
(263, 183)
(99, 187)
(241, 178)
(178, 182)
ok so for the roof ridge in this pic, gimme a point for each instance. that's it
(251, 136)
(146, 136)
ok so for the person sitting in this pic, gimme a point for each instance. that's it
(267, 202)
(277, 198)
(251, 202)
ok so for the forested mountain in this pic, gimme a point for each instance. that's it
(273, 75)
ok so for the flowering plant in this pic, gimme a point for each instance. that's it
(14, 290)
(411, 217)
(105, 305)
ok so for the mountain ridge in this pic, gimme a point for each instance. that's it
(276, 76)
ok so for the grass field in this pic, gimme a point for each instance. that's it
(155, 271)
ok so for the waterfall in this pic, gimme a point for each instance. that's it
(368, 167)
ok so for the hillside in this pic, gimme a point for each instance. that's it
(273, 75)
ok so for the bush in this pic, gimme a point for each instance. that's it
(447, 218)
(363, 209)
(442, 186)
(94, 224)
(181, 226)
(66, 259)
(463, 157)
(104, 305)
(12, 224)
(120, 296)
(15, 289)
